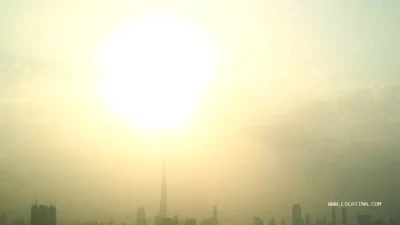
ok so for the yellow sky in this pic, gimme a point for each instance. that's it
(273, 59)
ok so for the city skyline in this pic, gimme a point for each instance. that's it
(46, 215)
(41, 214)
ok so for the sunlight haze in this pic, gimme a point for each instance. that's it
(254, 105)
(156, 71)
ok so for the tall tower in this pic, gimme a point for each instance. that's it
(163, 201)
(215, 215)
(52, 215)
(43, 215)
(35, 214)
(296, 215)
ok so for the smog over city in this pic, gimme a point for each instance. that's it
(212, 112)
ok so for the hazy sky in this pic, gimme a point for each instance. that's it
(305, 108)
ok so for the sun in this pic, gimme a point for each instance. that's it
(156, 70)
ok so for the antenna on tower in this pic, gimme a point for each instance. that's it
(163, 161)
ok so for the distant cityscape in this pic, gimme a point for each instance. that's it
(41, 214)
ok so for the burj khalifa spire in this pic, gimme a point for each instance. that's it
(163, 201)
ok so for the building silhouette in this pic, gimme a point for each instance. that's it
(213, 220)
(169, 221)
(47, 215)
(176, 219)
(141, 218)
(344, 216)
(162, 213)
(43, 215)
(34, 214)
(163, 200)
(190, 221)
(215, 214)
(162, 217)
(52, 215)
(257, 221)
(272, 221)
(296, 215)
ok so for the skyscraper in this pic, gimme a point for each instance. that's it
(43, 215)
(169, 221)
(215, 215)
(257, 221)
(34, 214)
(344, 216)
(52, 215)
(176, 219)
(141, 217)
(162, 214)
(296, 215)
(213, 220)
(273, 221)
(163, 201)
(191, 221)
(333, 216)
(307, 219)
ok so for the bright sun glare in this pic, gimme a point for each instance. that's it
(156, 71)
